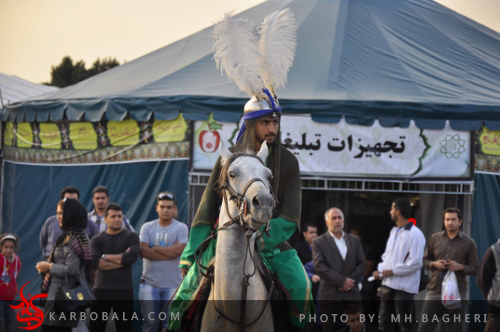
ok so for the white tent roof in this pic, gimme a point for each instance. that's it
(13, 89)
(394, 60)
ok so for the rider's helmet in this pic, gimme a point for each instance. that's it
(258, 66)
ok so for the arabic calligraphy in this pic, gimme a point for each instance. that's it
(119, 133)
(343, 149)
(83, 135)
(9, 133)
(24, 135)
(34, 319)
(50, 136)
(378, 148)
(338, 145)
(303, 146)
(123, 133)
(490, 142)
(169, 130)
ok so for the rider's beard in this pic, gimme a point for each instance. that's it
(261, 141)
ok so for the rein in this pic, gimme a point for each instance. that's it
(241, 204)
(245, 283)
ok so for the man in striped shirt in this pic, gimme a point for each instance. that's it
(100, 198)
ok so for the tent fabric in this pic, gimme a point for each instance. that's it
(14, 89)
(485, 225)
(31, 193)
(485, 230)
(395, 60)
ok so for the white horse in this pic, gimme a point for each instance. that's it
(247, 205)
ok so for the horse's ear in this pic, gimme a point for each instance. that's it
(263, 152)
(225, 154)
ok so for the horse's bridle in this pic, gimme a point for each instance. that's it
(241, 203)
(240, 200)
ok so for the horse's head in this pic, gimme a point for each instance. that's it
(248, 186)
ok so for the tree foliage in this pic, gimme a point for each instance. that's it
(68, 73)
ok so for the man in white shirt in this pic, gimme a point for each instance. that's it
(340, 262)
(400, 270)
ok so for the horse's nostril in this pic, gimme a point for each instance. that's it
(256, 202)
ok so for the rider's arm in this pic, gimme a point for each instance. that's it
(197, 235)
(289, 191)
(289, 200)
(204, 219)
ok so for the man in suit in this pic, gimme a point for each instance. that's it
(340, 262)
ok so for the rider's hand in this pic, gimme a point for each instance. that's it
(315, 278)
(184, 271)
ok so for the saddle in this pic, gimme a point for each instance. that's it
(192, 318)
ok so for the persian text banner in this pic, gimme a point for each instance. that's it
(349, 150)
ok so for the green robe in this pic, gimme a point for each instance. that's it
(285, 264)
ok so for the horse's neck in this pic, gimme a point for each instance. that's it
(230, 262)
(232, 249)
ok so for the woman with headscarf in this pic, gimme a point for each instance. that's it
(67, 262)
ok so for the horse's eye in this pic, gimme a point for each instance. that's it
(232, 175)
(270, 177)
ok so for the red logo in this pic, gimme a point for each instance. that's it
(25, 306)
(209, 140)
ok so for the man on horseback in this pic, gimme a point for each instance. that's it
(281, 259)
(257, 71)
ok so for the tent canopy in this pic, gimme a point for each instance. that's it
(394, 60)
(14, 89)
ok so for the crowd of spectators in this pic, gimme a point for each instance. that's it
(101, 246)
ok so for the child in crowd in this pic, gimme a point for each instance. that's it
(11, 264)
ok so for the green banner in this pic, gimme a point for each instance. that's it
(66, 142)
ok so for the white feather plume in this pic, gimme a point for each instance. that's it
(237, 53)
(277, 46)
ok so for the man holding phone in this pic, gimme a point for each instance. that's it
(448, 250)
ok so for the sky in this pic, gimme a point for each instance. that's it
(37, 34)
